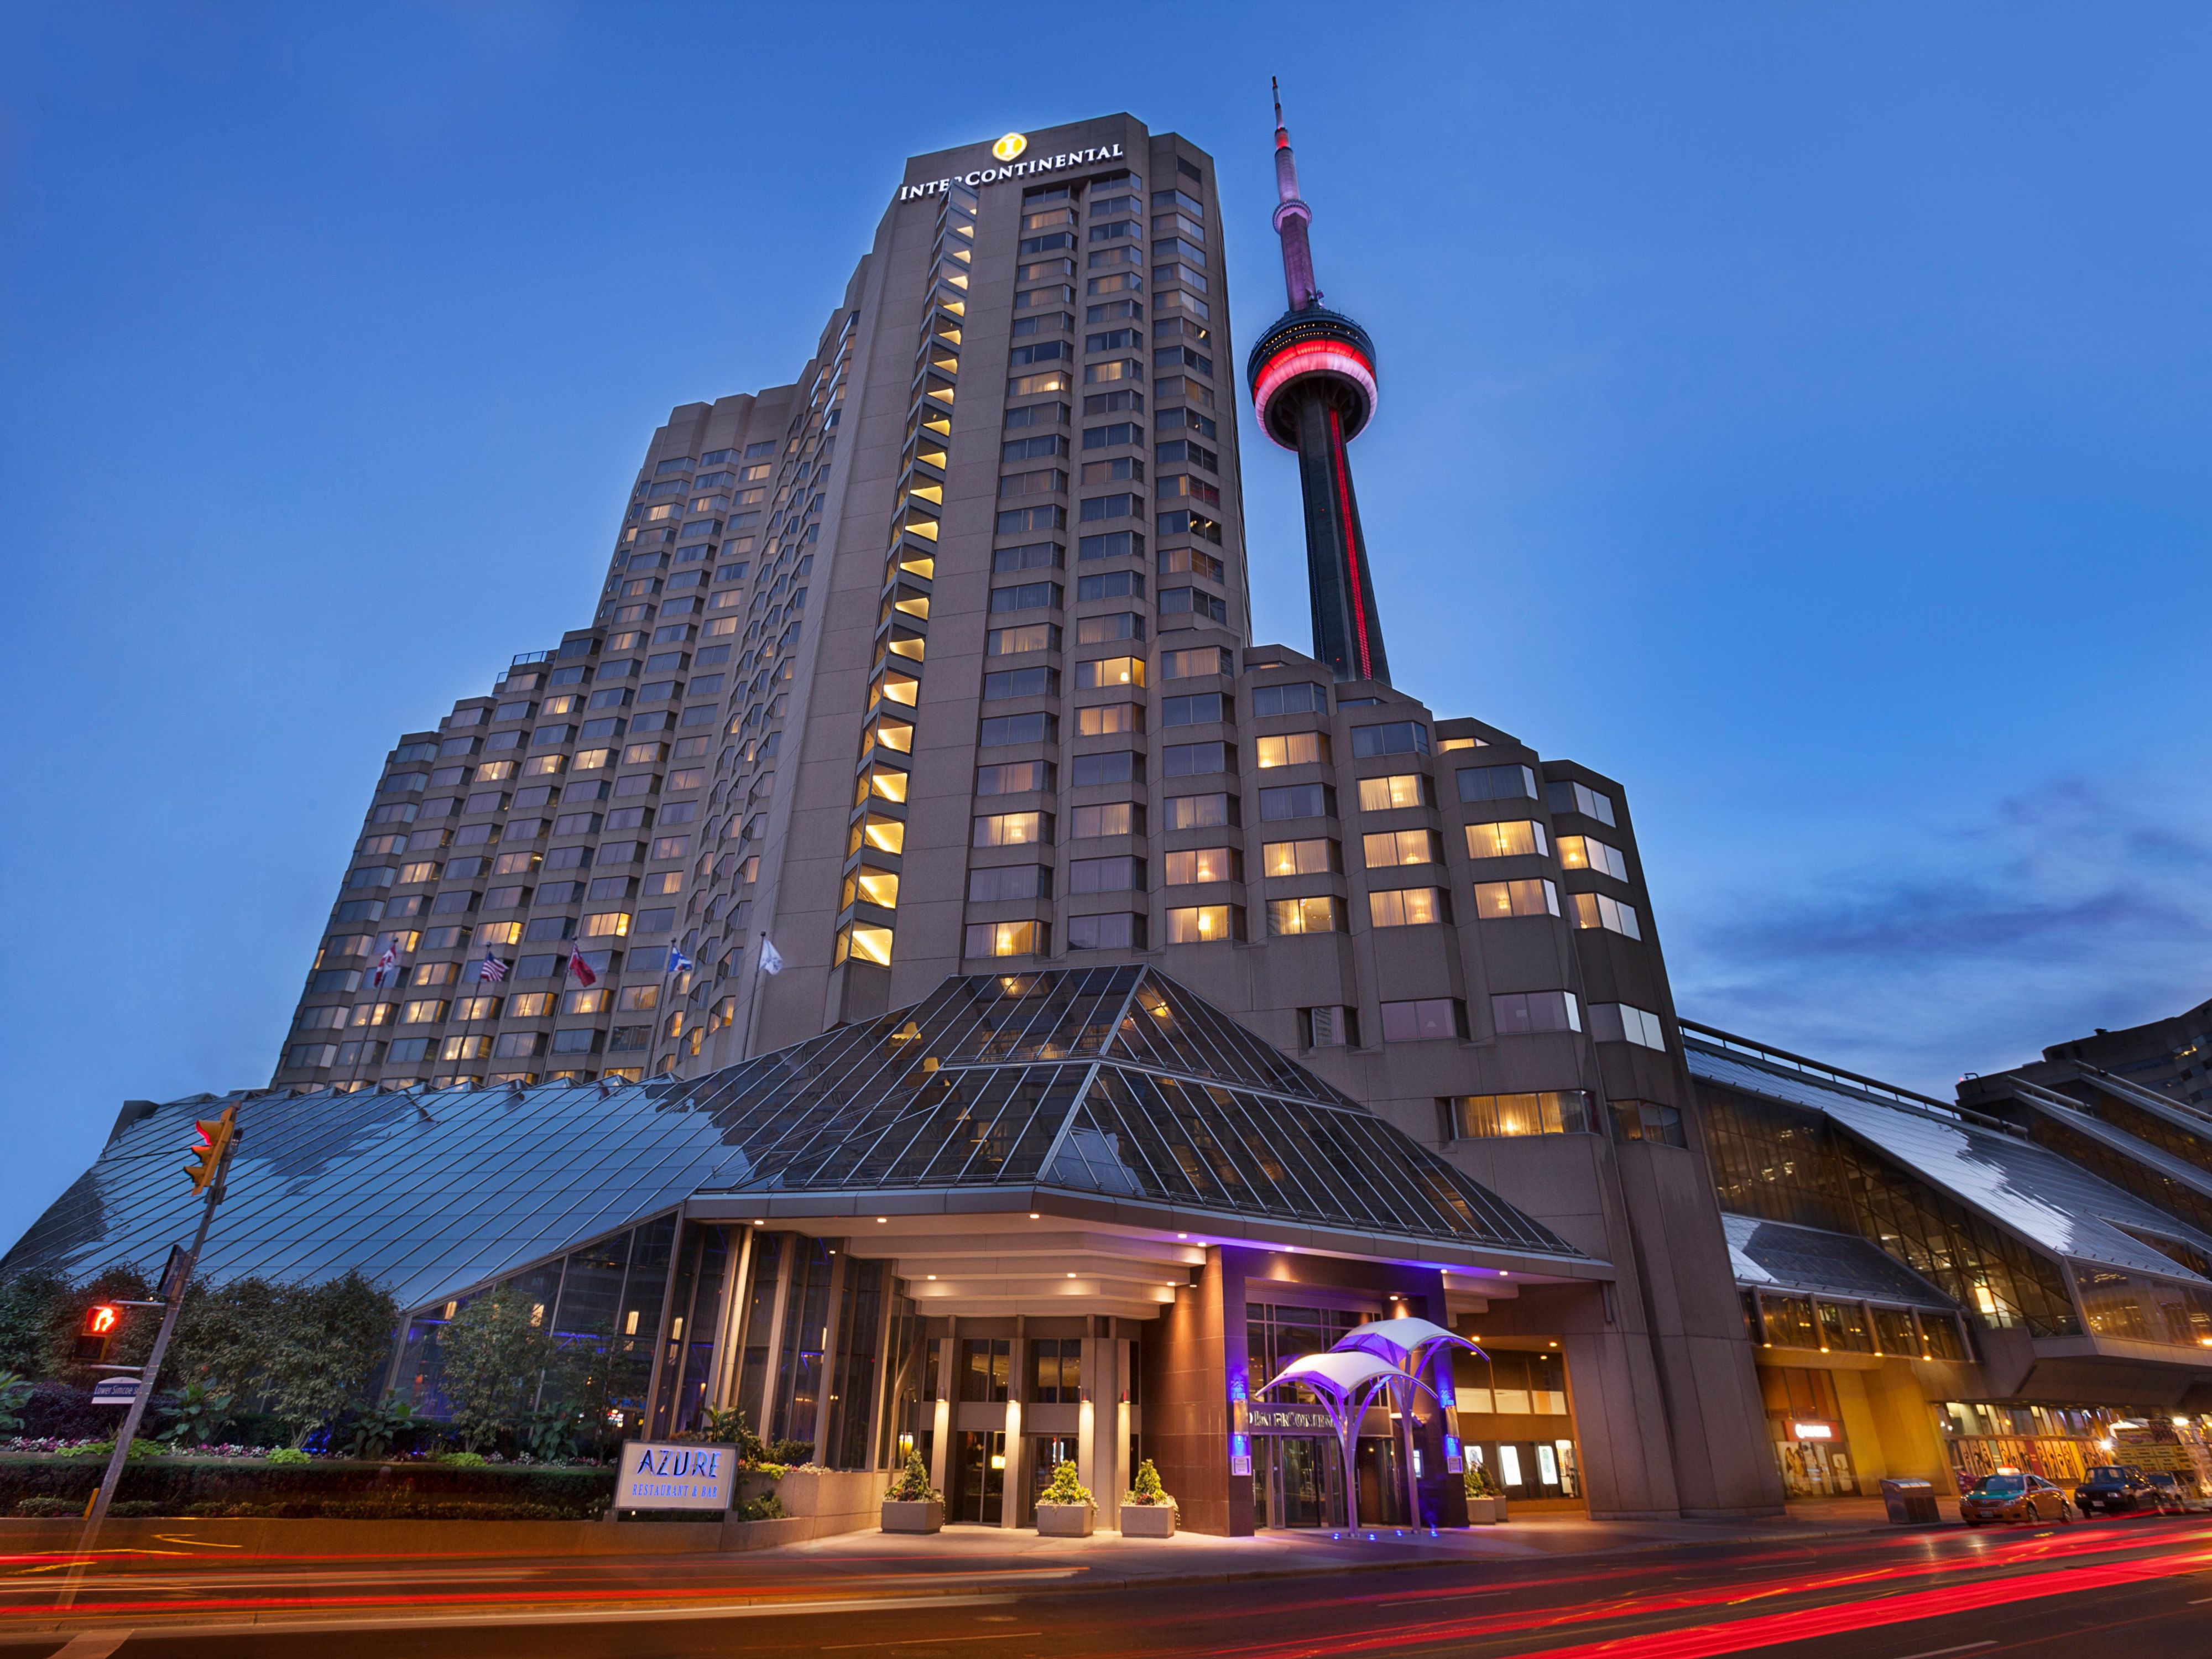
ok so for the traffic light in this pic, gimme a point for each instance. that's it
(214, 1141)
(101, 1321)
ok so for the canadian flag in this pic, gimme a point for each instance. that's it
(387, 965)
(581, 969)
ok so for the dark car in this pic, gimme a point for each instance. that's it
(2117, 1489)
(2013, 1497)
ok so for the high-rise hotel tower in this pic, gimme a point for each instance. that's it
(938, 660)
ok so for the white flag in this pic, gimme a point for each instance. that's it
(770, 961)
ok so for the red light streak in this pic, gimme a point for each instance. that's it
(1350, 545)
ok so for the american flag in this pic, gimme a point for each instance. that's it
(491, 970)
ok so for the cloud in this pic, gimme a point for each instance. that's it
(1972, 946)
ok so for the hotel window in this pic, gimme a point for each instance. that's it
(1120, 766)
(1030, 555)
(1520, 1013)
(1005, 881)
(1619, 1022)
(1112, 544)
(1203, 863)
(1558, 1112)
(1121, 469)
(1056, 1371)
(1107, 437)
(1014, 777)
(530, 1004)
(1009, 683)
(1202, 811)
(1292, 749)
(1205, 924)
(986, 1370)
(1010, 829)
(1005, 939)
(1204, 709)
(1596, 911)
(1303, 698)
(1014, 642)
(1564, 797)
(1400, 737)
(1423, 1019)
(1201, 661)
(1118, 932)
(1394, 847)
(861, 942)
(1191, 561)
(1109, 671)
(429, 1012)
(1108, 630)
(1646, 1119)
(1184, 760)
(1402, 789)
(1297, 800)
(1589, 852)
(1493, 899)
(1407, 907)
(1002, 730)
(1512, 838)
(1335, 1027)
(609, 924)
(1317, 857)
(1114, 585)
(1114, 875)
(1304, 915)
(1496, 783)
(1114, 819)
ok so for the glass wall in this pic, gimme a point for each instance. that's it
(1782, 1165)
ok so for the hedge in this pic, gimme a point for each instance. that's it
(331, 1488)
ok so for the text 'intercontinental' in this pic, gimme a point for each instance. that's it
(1075, 158)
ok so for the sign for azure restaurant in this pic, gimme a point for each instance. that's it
(1007, 150)
(656, 1475)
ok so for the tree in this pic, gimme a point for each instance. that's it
(29, 1305)
(303, 1352)
(328, 1343)
(493, 1358)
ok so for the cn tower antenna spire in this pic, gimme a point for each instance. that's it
(1292, 215)
(1312, 376)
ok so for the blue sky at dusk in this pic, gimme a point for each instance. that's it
(1798, 412)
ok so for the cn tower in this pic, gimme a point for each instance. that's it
(1312, 376)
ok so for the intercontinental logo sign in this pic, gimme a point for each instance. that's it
(1008, 150)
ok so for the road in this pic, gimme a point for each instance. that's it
(2146, 1583)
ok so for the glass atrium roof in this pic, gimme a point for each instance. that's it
(2049, 1200)
(1108, 1081)
(1774, 1255)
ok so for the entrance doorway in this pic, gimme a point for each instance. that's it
(1302, 1481)
(979, 1478)
(1381, 1481)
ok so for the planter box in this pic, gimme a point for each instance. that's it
(1484, 1511)
(1065, 1520)
(1148, 1520)
(920, 1516)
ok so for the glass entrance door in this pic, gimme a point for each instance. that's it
(1303, 1485)
(979, 1474)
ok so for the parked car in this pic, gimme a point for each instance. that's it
(2013, 1497)
(2176, 1494)
(2117, 1489)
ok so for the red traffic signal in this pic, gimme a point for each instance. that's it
(98, 1329)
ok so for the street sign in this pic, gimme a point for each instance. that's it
(662, 1475)
(115, 1390)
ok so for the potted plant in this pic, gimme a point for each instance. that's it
(912, 1505)
(1147, 1511)
(1485, 1504)
(1064, 1508)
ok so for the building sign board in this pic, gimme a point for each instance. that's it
(1290, 1420)
(115, 1391)
(656, 1474)
(1042, 164)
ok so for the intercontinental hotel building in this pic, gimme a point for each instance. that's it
(914, 968)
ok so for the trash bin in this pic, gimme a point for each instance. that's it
(1909, 1502)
